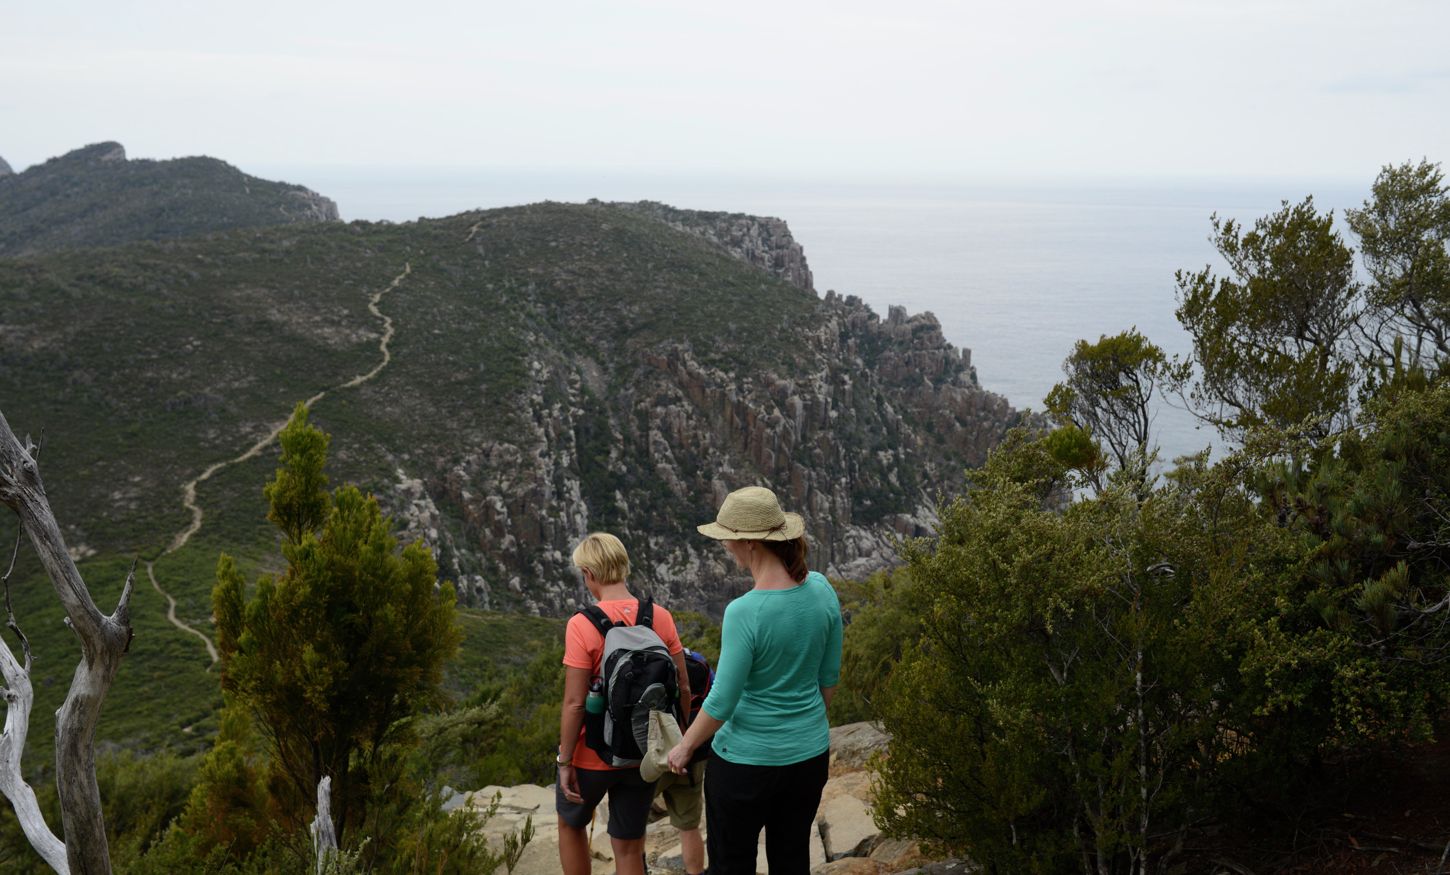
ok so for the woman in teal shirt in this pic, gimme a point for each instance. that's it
(780, 658)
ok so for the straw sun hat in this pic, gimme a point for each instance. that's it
(753, 514)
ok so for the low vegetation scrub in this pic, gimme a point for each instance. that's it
(1089, 663)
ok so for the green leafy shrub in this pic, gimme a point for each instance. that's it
(1065, 704)
(883, 619)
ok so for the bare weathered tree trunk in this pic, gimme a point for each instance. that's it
(104, 641)
(324, 834)
(19, 697)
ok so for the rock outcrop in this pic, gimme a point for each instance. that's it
(845, 841)
(765, 243)
(879, 420)
(5, 168)
(311, 206)
(96, 153)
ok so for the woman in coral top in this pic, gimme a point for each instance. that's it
(780, 658)
(584, 778)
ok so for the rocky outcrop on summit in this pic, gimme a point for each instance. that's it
(762, 242)
(96, 153)
(309, 206)
(5, 168)
(96, 196)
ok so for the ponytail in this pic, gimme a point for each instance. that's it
(792, 554)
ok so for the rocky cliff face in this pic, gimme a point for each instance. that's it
(876, 420)
(96, 153)
(5, 168)
(762, 242)
(309, 206)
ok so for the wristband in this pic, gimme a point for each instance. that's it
(560, 760)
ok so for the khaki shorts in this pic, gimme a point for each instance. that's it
(684, 796)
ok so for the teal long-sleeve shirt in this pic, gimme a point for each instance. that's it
(778, 648)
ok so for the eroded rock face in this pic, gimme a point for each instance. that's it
(96, 153)
(763, 242)
(879, 421)
(5, 168)
(862, 427)
(311, 207)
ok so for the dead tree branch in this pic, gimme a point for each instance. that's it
(19, 698)
(324, 834)
(104, 641)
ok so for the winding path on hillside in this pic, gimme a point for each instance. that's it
(188, 491)
(175, 621)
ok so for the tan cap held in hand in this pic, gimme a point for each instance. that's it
(664, 734)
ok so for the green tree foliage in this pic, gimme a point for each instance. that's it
(1363, 646)
(1090, 678)
(699, 633)
(143, 795)
(1403, 231)
(297, 500)
(333, 656)
(1108, 394)
(1285, 339)
(1069, 686)
(1273, 339)
(883, 620)
(522, 744)
(229, 810)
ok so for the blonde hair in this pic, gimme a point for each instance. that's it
(605, 557)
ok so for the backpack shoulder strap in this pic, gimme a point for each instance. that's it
(595, 615)
(646, 613)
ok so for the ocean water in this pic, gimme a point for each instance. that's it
(1015, 272)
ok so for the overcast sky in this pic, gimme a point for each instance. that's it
(961, 90)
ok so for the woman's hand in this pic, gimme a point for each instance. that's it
(679, 758)
(702, 729)
(569, 783)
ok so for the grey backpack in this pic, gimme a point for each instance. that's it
(639, 676)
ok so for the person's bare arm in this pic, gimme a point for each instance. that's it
(828, 693)
(571, 717)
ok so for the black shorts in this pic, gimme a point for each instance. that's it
(629, 800)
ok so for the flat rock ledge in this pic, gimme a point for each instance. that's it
(846, 840)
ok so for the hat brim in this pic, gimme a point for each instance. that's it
(794, 527)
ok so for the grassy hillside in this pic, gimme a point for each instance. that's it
(143, 365)
(95, 196)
